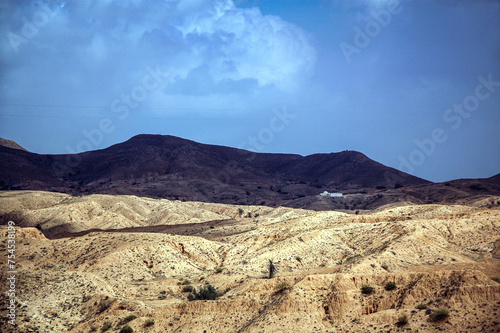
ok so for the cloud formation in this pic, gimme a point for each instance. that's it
(208, 47)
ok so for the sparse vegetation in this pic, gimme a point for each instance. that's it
(104, 304)
(188, 289)
(282, 286)
(206, 293)
(477, 187)
(299, 259)
(271, 269)
(402, 320)
(496, 279)
(149, 323)
(129, 318)
(240, 211)
(218, 269)
(384, 266)
(106, 326)
(439, 314)
(391, 285)
(367, 289)
(126, 329)
(421, 306)
(183, 282)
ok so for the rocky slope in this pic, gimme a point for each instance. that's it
(169, 167)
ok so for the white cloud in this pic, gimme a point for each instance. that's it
(109, 44)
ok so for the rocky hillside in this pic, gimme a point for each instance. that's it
(169, 167)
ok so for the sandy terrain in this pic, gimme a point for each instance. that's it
(438, 256)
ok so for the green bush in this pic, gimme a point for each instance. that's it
(149, 322)
(282, 286)
(104, 304)
(206, 293)
(367, 289)
(126, 329)
(439, 314)
(421, 306)
(129, 318)
(391, 285)
(403, 320)
(218, 270)
(106, 326)
(188, 289)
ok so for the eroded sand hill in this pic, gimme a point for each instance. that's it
(437, 256)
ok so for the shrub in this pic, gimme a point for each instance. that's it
(496, 279)
(206, 293)
(183, 282)
(271, 269)
(391, 285)
(299, 259)
(384, 266)
(421, 306)
(240, 211)
(439, 314)
(149, 322)
(282, 286)
(106, 326)
(218, 270)
(129, 318)
(477, 187)
(104, 304)
(126, 329)
(188, 289)
(367, 289)
(403, 320)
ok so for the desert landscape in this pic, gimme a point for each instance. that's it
(102, 263)
(249, 166)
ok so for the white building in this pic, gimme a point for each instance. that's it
(332, 195)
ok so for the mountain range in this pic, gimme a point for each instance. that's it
(163, 166)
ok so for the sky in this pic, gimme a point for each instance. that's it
(414, 85)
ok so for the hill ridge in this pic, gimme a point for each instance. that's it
(166, 166)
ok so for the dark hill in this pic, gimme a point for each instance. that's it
(175, 168)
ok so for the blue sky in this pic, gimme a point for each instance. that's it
(412, 84)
